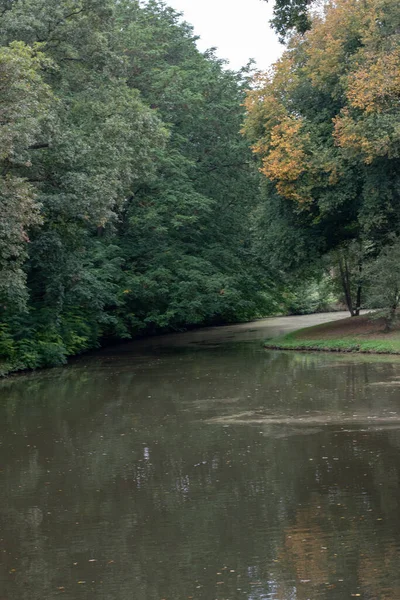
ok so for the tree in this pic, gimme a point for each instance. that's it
(145, 187)
(187, 237)
(383, 283)
(330, 155)
(24, 108)
(347, 263)
(291, 15)
(99, 141)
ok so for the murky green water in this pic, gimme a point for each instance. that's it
(212, 473)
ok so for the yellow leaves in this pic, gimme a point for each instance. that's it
(330, 41)
(344, 133)
(286, 160)
(375, 84)
(355, 135)
(324, 59)
(349, 62)
(263, 112)
(278, 137)
(285, 75)
(265, 102)
(370, 125)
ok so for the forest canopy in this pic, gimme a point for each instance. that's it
(324, 123)
(145, 186)
(127, 191)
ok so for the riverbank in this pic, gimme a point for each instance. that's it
(354, 334)
(252, 331)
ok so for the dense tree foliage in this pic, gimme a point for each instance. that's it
(25, 99)
(129, 199)
(291, 15)
(325, 123)
(127, 191)
(383, 283)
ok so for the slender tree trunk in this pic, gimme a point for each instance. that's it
(393, 309)
(359, 290)
(358, 301)
(344, 276)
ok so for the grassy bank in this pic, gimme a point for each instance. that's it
(358, 334)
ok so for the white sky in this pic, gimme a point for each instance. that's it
(239, 29)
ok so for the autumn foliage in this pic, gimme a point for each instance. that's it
(330, 101)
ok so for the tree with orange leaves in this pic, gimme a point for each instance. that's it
(325, 125)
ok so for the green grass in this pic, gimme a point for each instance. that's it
(382, 344)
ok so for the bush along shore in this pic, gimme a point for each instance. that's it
(364, 334)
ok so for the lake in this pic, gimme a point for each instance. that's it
(201, 466)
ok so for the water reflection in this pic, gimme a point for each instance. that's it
(132, 477)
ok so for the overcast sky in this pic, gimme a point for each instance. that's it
(238, 28)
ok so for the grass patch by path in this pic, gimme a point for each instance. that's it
(357, 334)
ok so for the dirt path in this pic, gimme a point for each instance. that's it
(256, 330)
(243, 332)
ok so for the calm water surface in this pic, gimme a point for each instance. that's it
(202, 471)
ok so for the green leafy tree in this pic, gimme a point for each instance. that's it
(383, 283)
(291, 16)
(187, 232)
(323, 125)
(143, 187)
(24, 108)
(99, 139)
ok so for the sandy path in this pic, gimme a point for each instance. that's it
(255, 330)
(242, 332)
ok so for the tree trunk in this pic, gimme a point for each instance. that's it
(393, 309)
(344, 276)
(359, 291)
(358, 302)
